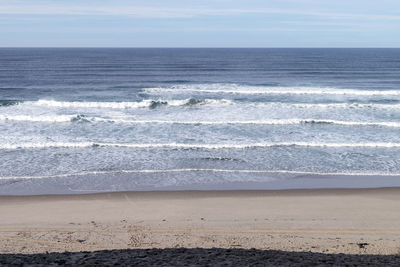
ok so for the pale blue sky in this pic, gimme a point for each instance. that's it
(201, 23)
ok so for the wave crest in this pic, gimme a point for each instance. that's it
(84, 118)
(126, 105)
(267, 90)
(250, 171)
(6, 103)
(196, 146)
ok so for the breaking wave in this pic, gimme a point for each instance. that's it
(46, 118)
(126, 105)
(195, 146)
(257, 90)
(152, 104)
(83, 118)
(6, 103)
(292, 172)
(264, 122)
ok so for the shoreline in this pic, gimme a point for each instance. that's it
(97, 184)
(210, 192)
(350, 221)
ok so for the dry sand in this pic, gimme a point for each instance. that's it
(351, 221)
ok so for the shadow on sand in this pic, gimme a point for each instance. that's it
(197, 257)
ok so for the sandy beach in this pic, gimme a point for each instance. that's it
(330, 221)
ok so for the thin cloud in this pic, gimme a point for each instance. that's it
(169, 30)
(153, 12)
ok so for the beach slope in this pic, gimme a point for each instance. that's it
(351, 221)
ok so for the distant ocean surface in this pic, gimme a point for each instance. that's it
(92, 120)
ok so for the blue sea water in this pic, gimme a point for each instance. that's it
(89, 120)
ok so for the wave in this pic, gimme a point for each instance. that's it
(148, 103)
(257, 90)
(352, 123)
(341, 105)
(48, 118)
(292, 172)
(220, 159)
(263, 122)
(83, 118)
(151, 104)
(195, 146)
(193, 101)
(6, 103)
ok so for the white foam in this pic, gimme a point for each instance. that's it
(261, 122)
(257, 90)
(120, 105)
(70, 118)
(39, 118)
(293, 172)
(194, 146)
(65, 104)
(178, 102)
(253, 145)
(342, 105)
(46, 145)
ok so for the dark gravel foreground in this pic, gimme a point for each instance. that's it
(196, 257)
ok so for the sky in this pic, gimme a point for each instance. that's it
(200, 23)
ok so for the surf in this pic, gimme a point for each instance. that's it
(195, 146)
(298, 121)
(267, 90)
(194, 170)
(146, 103)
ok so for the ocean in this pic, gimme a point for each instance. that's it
(82, 120)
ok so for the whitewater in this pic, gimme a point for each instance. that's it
(166, 126)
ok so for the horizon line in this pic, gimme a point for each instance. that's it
(209, 47)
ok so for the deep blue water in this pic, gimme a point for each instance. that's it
(77, 120)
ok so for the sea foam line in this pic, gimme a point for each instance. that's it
(195, 146)
(262, 122)
(74, 118)
(340, 105)
(191, 101)
(125, 105)
(39, 118)
(273, 90)
(116, 105)
(202, 170)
